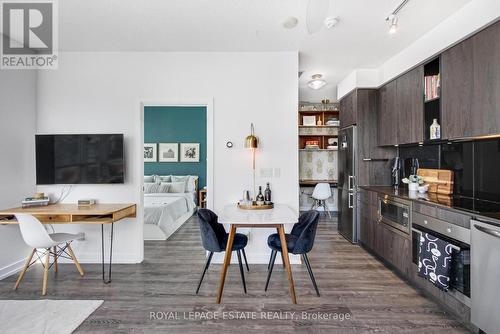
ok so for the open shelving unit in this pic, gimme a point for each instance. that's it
(432, 97)
(323, 116)
(320, 133)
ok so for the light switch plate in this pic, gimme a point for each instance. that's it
(266, 172)
(277, 172)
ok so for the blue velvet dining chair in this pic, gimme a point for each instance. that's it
(300, 241)
(214, 238)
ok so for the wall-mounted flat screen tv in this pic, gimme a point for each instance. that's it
(79, 159)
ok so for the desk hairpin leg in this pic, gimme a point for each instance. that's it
(110, 254)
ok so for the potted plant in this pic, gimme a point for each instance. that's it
(413, 181)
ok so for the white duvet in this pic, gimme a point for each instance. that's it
(163, 209)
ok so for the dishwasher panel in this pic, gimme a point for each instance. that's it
(485, 273)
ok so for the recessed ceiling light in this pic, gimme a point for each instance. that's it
(393, 23)
(331, 21)
(316, 82)
(290, 22)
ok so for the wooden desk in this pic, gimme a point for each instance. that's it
(313, 183)
(98, 214)
(273, 218)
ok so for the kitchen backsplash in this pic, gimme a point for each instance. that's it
(476, 165)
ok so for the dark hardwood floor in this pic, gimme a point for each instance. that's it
(350, 280)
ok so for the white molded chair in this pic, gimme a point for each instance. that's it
(35, 235)
(321, 193)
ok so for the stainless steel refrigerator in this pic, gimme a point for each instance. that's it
(347, 186)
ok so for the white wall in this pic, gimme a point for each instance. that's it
(469, 19)
(102, 92)
(17, 169)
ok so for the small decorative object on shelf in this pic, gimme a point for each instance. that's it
(267, 195)
(312, 145)
(432, 86)
(319, 122)
(435, 129)
(413, 182)
(309, 120)
(35, 201)
(259, 200)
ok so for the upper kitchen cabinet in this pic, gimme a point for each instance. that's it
(348, 110)
(388, 115)
(457, 68)
(471, 86)
(401, 109)
(410, 103)
(486, 82)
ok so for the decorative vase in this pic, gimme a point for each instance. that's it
(412, 186)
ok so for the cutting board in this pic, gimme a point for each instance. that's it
(440, 180)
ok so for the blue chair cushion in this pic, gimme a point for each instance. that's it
(274, 242)
(239, 242)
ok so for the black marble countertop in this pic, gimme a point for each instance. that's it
(442, 201)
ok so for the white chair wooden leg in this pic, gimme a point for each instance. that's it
(21, 275)
(46, 272)
(77, 264)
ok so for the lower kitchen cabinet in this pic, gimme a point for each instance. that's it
(390, 245)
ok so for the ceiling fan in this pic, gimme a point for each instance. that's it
(316, 14)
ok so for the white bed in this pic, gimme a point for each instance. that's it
(164, 213)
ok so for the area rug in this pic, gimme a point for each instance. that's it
(44, 316)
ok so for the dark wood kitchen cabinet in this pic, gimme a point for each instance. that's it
(367, 215)
(456, 88)
(392, 246)
(410, 106)
(471, 86)
(486, 82)
(388, 115)
(401, 105)
(348, 109)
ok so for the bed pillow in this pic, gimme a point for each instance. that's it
(191, 185)
(150, 188)
(184, 178)
(149, 178)
(164, 187)
(163, 178)
(177, 187)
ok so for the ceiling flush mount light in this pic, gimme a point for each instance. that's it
(316, 82)
(330, 22)
(393, 23)
(392, 18)
(290, 22)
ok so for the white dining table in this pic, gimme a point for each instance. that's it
(277, 218)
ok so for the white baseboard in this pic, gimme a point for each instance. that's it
(12, 269)
(92, 258)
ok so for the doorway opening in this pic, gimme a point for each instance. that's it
(176, 152)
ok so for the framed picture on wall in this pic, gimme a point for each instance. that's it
(190, 152)
(168, 152)
(150, 152)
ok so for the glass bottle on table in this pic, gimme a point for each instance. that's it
(267, 195)
(260, 198)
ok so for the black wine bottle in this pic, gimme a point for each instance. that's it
(260, 197)
(267, 195)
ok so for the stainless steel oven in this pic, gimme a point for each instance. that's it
(459, 237)
(395, 212)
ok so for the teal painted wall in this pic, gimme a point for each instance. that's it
(177, 125)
